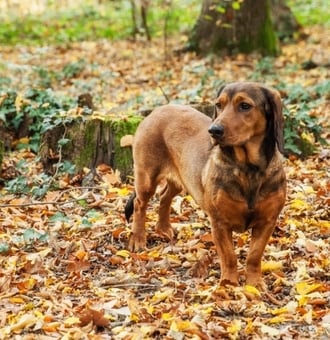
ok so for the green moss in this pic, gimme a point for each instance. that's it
(100, 142)
(268, 42)
(88, 149)
(123, 155)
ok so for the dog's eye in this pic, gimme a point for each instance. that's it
(218, 106)
(244, 106)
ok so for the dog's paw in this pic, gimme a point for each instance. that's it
(258, 283)
(137, 242)
(165, 231)
(228, 282)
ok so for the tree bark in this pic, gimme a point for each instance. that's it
(285, 24)
(2, 150)
(236, 27)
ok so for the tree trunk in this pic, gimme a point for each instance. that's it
(236, 27)
(284, 22)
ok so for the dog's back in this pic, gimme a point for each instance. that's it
(165, 146)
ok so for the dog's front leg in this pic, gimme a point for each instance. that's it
(259, 238)
(263, 226)
(223, 240)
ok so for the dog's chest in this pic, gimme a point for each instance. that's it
(241, 185)
(249, 184)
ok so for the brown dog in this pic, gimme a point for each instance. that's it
(231, 167)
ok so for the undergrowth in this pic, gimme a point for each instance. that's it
(113, 20)
(109, 20)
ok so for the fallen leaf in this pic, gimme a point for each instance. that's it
(304, 288)
(95, 316)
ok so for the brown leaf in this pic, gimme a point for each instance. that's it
(77, 266)
(201, 267)
(95, 316)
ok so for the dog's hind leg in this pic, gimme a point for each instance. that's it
(145, 187)
(163, 226)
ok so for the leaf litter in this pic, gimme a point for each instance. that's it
(65, 268)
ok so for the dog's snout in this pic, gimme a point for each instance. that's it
(216, 131)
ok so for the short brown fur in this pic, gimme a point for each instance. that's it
(231, 166)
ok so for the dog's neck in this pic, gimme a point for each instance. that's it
(248, 155)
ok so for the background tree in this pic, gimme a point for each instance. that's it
(241, 26)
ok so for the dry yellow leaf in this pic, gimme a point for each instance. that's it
(161, 296)
(270, 266)
(16, 299)
(25, 321)
(304, 288)
(179, 325)
(253, 290)
(278, 319)
(298, 204)
(167, 316)
(235, 327)
(73, 320)
(123, 253)
(122, 192)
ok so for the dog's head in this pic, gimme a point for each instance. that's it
(245, 111)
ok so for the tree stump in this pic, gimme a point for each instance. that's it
(88, 143)
(2, 150)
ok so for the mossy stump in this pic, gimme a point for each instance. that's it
(88, 143)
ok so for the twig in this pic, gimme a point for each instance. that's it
(23, 205)
(131, 285)
(164, 94)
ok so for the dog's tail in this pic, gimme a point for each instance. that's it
(129, 207)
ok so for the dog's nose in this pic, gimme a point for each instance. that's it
(216, 131)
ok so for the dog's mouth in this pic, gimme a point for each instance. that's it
(219, 137)
(217, 141)
(226, 142)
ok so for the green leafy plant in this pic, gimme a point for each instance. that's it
(18, 185)
(302, 129)
(311, 12)
(263, 69)
(40, 108)
(72, 70)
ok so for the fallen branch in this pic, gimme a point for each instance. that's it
(23, 205)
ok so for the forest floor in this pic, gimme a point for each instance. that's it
(65, 268)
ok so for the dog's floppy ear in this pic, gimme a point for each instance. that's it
(275, 113)
(215, 107)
